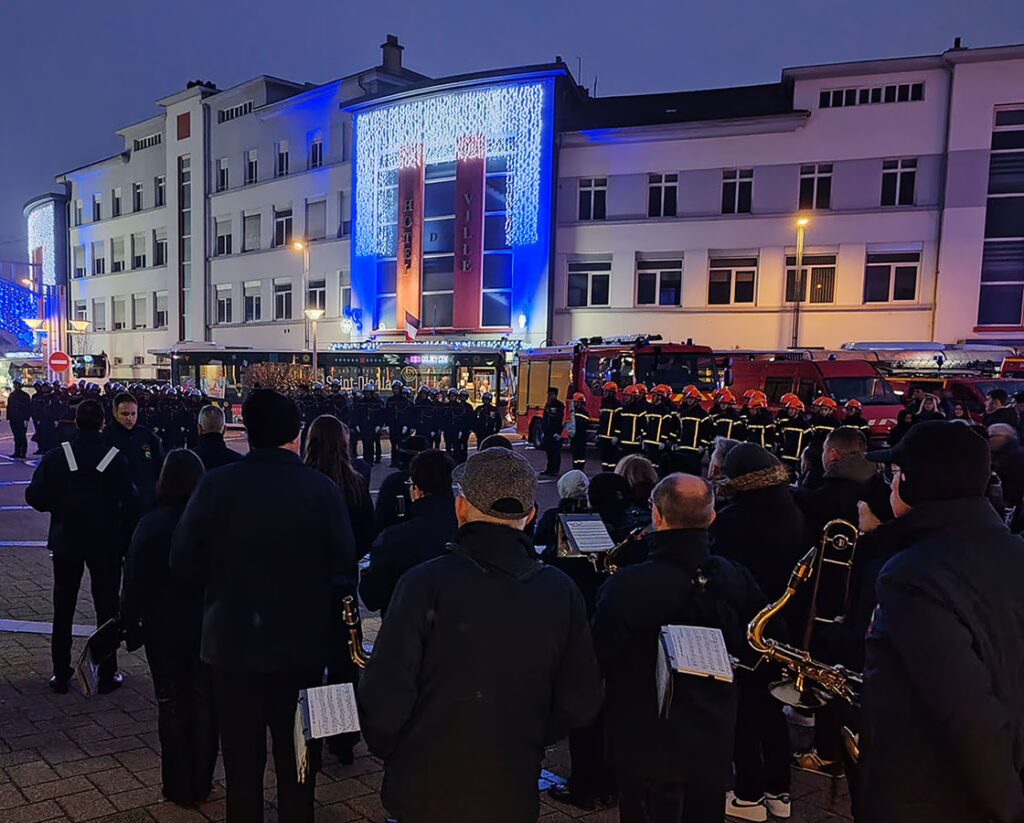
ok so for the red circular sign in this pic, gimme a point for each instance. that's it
(59, 362)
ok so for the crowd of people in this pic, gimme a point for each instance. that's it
(232, 571)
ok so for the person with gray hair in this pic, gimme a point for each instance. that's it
(211, 448)
(1008, 464)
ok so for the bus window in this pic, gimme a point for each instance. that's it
(775, 387)
(213, 381)
(561, 379)
(807, 391)
(537, 385)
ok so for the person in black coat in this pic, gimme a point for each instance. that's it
(166, 615)
(19, 412)
(999, 410)
(484, 659)
(86, 487)
(942, 735)
(270, 541)
(394, 504)
(423, 536)
(1008, 463)
(551, 425)
(142, 449)
(211, 448)
(677, 768)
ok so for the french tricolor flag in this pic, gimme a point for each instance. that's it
(412, 326)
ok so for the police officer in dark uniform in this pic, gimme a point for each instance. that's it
(394, 413)
(552, 423)
(19, 412)
(42, 418)
(374, 414)
(463, 418)
(581, 425)
(607, 421)
(140, 447)
(448, 420)
(488, 418)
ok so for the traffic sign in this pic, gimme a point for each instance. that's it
(59, 362)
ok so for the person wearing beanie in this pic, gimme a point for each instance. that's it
(267, 538)
(942, 719)
(572, 499)
(762, 528)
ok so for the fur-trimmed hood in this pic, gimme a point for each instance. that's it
(762, 479)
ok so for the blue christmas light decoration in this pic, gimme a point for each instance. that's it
(42, 235)
(17, 303)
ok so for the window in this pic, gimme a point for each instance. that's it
(251, 237)
(894, 93)
(737, 190)
(898, 179)
(97, 210)
(281, 166)
(137, 197)
(147, 141)
(159, 191)
(316, 220)
(117, 254)
(81, 310)
(223, 235)
(589, 283)
(731, 280)
(223, 115)
(140, 318)
(891, 277)
(184, 124)
(78, 213)
(139, 250)
(316, 152)
(819, 270)
(283, 299)
(224, 303)
(816, 186)
(79, 264)
(316, 296)
(252, 167)
(120, 313)
(345, 297)
(99, 258)
(160, 310)
(438, 282)
(387, 294)
(99, 315)
(223, 179)
(115, 202)
(184, 241)
(496, 295)
(661, 195)
(593, 198)
(253, 302)
(282, 227)
(344, 224)
(659, 282)
(160, 247)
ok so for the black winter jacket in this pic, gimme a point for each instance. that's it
(19, 406)
(943, 705)
(484, 658)
(144, 453)
(214, 452)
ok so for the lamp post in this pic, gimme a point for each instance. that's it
(77, 327)
(801, 228)
(313, 315)
(303, 247)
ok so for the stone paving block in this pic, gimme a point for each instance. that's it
(135, 798)
(56, 788)
(169, 813)
(113, 745)
(35, 813)
(111, 781)
(335, 790)
(88, 765)
(29, 774)
(10, 797)
(338, 813)
(368, 806)
(139, 759)
(215, 809)
(87, 805)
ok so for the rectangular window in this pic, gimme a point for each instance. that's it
(252, 167)
(316, 296)
(140, 312)
(224, 303)
(438, 291)
(281, 165)
(184, 123)
(115, 202)
(251, 238)
(253, 302)
(282, 227)
(818, 271)
(593, 198)
(891, 277)
(901, 93)
(316, 220)
(120, 313)
(223, 115)
(139, 250)
(282, 299)
(345, 298)
(496, 294)
(159, 191)
(99, 315)
(589, 283)
(117, 254)
(898, 181)
(223, 174)
(137, 197)
(223, 235)
(78, 213)
(81, 310)
(160, 310)
(387, 294)
(815, 186)
(659, 282)
(1002, 283)
(344, 224)
(662, 191)
(99, 258)
(731, 280)
(737, 191)
(160, 247)
(79, 255)
(316, 152)
(97, 210)
(141, 143)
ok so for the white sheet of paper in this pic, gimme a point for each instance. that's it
(699, 650)
(332, 710)
(591, 535)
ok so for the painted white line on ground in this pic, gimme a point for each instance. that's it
(22, 544)
(14, 482)
(14, 508)
(40, 627)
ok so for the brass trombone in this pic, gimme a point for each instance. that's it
(350, 617)
(603, 562)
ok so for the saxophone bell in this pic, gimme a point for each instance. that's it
(350, 617)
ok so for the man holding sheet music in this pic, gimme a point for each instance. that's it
(673, 765)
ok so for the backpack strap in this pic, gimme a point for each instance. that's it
(69, 455)
(108, 458)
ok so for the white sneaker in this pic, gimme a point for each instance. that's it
(745, 809)
(779, 805)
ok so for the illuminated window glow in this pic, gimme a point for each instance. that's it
(41, 235)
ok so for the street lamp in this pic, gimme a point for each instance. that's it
(801, 227)
(302, 247)
(313, 315)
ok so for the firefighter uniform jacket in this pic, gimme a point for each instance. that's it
(659, 426)
(629, 424)
(856, 420)
(760, 428)
(581, 425)
(730, 424)
(792, 435)
(608, 418)
(824, 425)
(694, 429)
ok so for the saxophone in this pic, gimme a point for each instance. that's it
(350, 617)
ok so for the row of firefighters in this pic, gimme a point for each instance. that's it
(657, 423)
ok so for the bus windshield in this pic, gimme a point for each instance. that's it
(89, 366)
(870, 391)
(676, 370)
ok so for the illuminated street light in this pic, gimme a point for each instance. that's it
(802, 223)
(312, 315)
(34, 323)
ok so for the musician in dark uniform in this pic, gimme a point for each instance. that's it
(607, 436)
(629, 425)
(552, 423)
(760, 422)
(581, 424)
(695, 430)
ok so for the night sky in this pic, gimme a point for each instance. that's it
(74, 71)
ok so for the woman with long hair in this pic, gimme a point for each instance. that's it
(166, 615)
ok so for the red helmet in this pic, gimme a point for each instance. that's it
(631, 391)
(750, 393)
(825, 403)
(794, 402)
(787, 397)
(718, 393)
(677, 399)
(611, 385)
(641, 388)
(692, 392)
(853, 404)
(579, 397)
(661, 390)
(757, 401)
(727, 396)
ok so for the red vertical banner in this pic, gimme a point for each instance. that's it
(469, 233)
(410, 238)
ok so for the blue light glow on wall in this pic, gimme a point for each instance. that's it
(17, 303)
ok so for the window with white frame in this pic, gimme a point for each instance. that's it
(316, 152)
(222, 244)
(891, 276)
(316, 294)
(223, 115)
(282, 227)
(281, 153)
(659, 281)
(252, 167)
(81, 310)
(140, 311)
(282, 298)
(593, 198)
(224, 303)
(97, 207)
(892, 93)
(345, 296)
(139, 250)
(115, 202)
(316, 220)
(438, 300)
(737, 191)
(387, 294)
(589, 283)
(120, 313)
(160, 190)
(223, 174)
(137, 204)
(496, 294)
(141, 143)
(899, 178)
(79, 255)
(251, 236)
(662, 195)
(99, 257)
(76, 215)
(344, 223)
(815, 186)
(99, 315)
(160, 310)
(160, 247)
(117, 254)
(731, 280)
(818, 273)
(253, 301)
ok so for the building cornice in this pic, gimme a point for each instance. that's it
(90, 168)
(732, 127)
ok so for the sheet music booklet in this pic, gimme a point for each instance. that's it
(690, 651)
(586, 533)
(323, 711)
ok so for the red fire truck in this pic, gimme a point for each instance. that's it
(587, 364)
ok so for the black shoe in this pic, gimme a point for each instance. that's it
(111, 685)
(563, 794)
(59, 684)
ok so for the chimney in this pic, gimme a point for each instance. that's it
(392, 54)
(957, 44)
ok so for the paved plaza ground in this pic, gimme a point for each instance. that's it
(72, 758)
